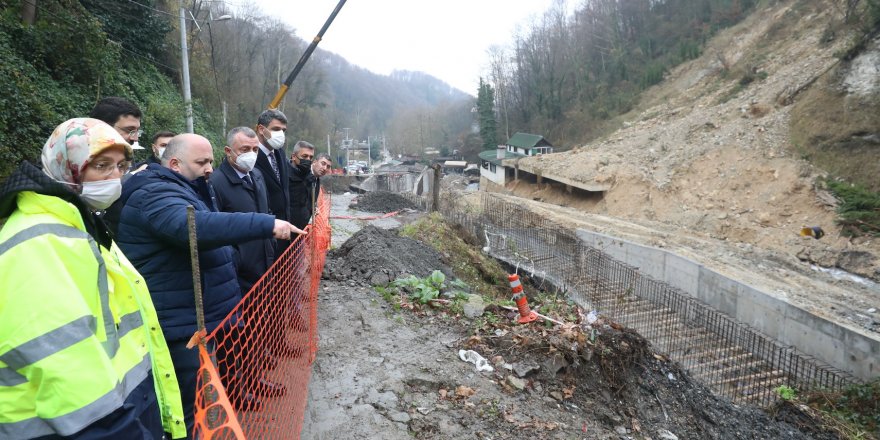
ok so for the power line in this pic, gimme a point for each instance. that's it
(178, 15)
(44, 11)
(158, 10)
(152, 60)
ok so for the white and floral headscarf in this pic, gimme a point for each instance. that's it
(74, 143)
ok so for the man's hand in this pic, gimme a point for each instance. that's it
(283, 230)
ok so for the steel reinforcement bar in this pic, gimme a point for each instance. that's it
(729, 357)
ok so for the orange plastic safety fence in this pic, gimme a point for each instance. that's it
(261, 355)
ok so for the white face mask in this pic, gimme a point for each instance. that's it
(277, 139)
(102, 193)
(246, 161)
(161, 152)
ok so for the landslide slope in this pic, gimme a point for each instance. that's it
(707, 165)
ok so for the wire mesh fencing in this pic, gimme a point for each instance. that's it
(255, 367)
(729, 357)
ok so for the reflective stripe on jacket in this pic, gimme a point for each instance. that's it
(78, 330)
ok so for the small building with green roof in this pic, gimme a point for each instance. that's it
(519, 145)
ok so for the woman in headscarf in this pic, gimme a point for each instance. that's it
(81, 351)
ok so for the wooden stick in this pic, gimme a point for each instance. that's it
(194, 259)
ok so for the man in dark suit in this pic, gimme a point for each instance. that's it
(271, 128)
(241, 188)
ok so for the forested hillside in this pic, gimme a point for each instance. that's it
(569, 74)
(61, 65)
(73, 52)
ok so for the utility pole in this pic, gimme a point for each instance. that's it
(369, 150)
(347, 144)
(435, 188)
(184, 64)
(28, 12)
(184, 60)
(224, 118)
(328, 147)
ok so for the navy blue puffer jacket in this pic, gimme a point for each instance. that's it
(152, 233)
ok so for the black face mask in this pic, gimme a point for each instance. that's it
(305, 164)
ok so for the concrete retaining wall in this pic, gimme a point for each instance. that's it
(846, 349)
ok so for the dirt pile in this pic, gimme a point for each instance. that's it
(382, 201)
(375, 256)
(613, 380)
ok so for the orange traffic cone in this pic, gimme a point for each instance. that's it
(522, 303)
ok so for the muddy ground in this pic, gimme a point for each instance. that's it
(388, 368)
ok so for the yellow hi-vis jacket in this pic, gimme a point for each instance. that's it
(78, 330)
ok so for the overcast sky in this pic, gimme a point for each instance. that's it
(447, 39)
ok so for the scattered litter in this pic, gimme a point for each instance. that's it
(423, 410)
(670, 376)
(475, 358)
(592, 317)
(812, 231)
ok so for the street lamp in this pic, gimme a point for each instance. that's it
(184, 57)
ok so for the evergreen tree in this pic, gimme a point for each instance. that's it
(486, 114)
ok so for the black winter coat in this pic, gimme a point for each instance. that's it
(153, 235)
(302, 185)
(276, 190)
(254, 257)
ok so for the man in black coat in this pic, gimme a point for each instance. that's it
(271, 128)
(153, 234)
(301, 183)
(241, 188)
(305, 174)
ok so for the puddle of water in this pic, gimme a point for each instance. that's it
(840, 274)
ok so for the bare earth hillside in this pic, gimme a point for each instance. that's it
(705, 167)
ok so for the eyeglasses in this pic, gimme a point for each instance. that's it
(106, 167)
(134, 133)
